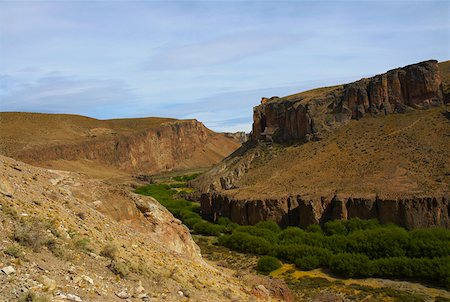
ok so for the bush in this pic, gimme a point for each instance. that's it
(209, 229)
(258, 232)
(191, 222)
(308, 263)
(269, 225)
(313, 228)
(244, 242)
(292, 252)
(83, 244)
(350, 265)
(109, 251)
(32, 297)
(31, 233)
(335, 227)
(267, 264)
(14, 250)
(119, 268)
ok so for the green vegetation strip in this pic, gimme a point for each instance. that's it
(351, 248)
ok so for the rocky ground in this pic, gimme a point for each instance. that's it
(66, 237)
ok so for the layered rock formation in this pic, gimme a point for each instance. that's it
(415, 212)
(299, 118)
(394, 168)
(137, 147)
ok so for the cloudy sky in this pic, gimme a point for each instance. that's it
(210, 60)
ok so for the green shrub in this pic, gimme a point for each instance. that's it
(209, 229)
(269, 225)
(244, 242)
(313, 228)
(267, 264)
(308, 263)
(191, 222)
(258, 232)
(335, 227)
(350, 265)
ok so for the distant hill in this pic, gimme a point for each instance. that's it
(115, 147)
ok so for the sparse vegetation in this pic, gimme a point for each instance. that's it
(32, 297)
(82, 244)
(14, 250)
(31, 233)
(109, 251)
(119, 268)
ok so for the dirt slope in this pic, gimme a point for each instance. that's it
(110, 147)
(55, 225)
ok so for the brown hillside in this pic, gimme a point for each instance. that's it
(114, 147)
(67, 237)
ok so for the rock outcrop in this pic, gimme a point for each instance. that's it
(399, 161)
(299, 118)
(410, 213)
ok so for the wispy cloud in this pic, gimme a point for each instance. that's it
(225, 49)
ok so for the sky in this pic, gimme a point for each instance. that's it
(209, 60)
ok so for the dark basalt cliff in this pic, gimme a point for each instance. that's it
(296, 211)
(292, 119)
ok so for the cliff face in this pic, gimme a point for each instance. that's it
(410, 213)
(299, 118)
(131, 149)
(395, 167)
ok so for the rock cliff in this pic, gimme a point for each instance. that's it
(415, 212)
(125, 146)
(303, 117)
(365, 149)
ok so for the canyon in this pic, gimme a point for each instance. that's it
(376, 148)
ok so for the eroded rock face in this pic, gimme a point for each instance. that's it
(173, 145)
(295, 211)
(284, 120)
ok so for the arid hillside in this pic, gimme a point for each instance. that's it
(66, 237)
(345, 164)
(108, 148)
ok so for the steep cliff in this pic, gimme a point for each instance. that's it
(413, 212)
(370, 141)
(302, 117)
(115, 146)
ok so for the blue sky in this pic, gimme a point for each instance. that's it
(210, 60)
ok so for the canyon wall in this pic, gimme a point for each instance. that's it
(410, 213)
(302, 118)
(172, 145)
